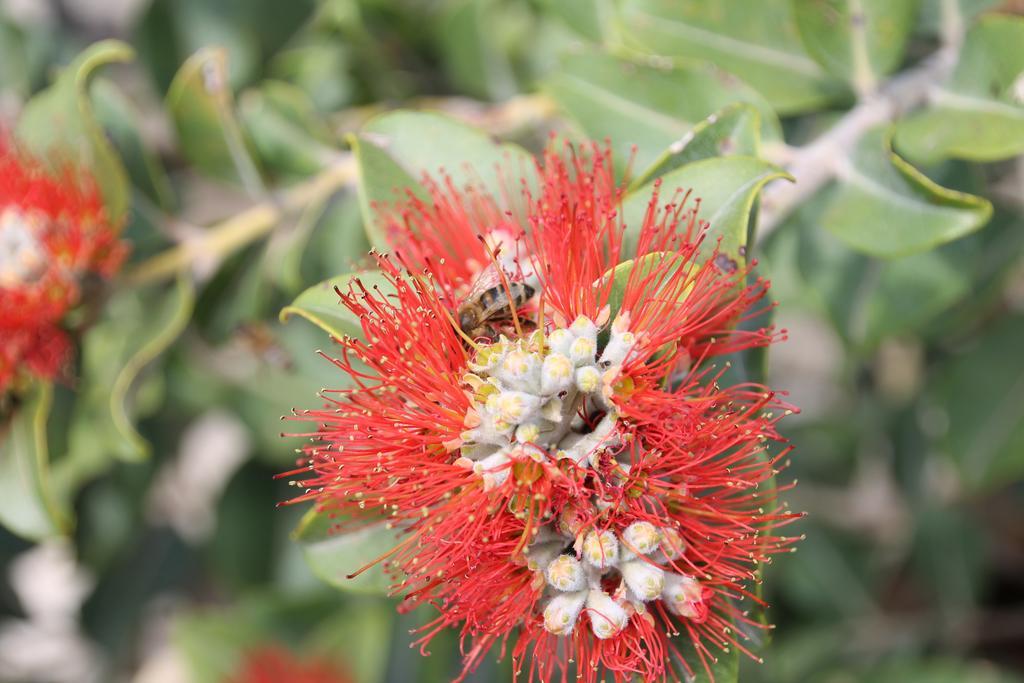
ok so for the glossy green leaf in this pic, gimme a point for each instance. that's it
(136, 327)
(859, 41)
(285, 129)
(28, 505)
(887, 208)
(726, 187)
(756, 41)
(735, 130)
(981, 391)
(202, 109)
(334, 556)
(321, 305)
(650, 107)
(59, 122)
(978, 114)
(122, 121)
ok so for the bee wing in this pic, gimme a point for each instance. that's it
(488, 278)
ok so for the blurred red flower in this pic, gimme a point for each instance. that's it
(547, 431)
(54, 232)
(273, 664)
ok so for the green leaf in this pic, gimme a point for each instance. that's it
(202, 109)
(121, 120)
(735, 130)
(59, 122)
(982, 393)
(474, 56)
(396, 149)
(321, 305)
(726, 187)
(859, 41)
(285, 129)
(429, 143)
(28, 506)
(648, 106)
(887, 208)
(382, 181)
(977, 114)
(136, 327)
(589, 18)
(335, 556)
(620, 276)
(756, 41)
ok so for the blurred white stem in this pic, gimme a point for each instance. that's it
(814, 165)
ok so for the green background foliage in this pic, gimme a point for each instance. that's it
(865, 152)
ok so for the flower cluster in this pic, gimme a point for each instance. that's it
(53, 233)
(568, 475)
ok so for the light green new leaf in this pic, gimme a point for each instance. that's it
(735, 130)
(395, 150)
(28, 506)
(859, 41)
(885, 207)
(756, 41)
(202, 109)
(382, 181)
(977, 115)
(334, 557)
(647, 106)
(136, 327)
(59, 121)
(321, 305)
(429, 143)
(726, 188)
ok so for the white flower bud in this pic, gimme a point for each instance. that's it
(682, 595)
(607, 617)
(540, 555)
(493, 469)
(520, 370)
(588, 379)
(528, 433)
(556, 374)
(562, 611)
(672, 544)
(560, 340)
(619, 346)
(514, 407)
(584, 327)
(644, 579)
(582, 350)
(641, 537)
(601, 549)
(566, 573)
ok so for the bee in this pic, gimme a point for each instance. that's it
(488, 309)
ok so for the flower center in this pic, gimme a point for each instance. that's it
(546, 396)
(22, 257)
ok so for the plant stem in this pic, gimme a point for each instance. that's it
(225, 237)
(815, 165)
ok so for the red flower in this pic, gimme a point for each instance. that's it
(276, 665)
(53, 232)
(570, 479)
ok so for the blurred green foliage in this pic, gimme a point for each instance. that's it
(900, 278)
